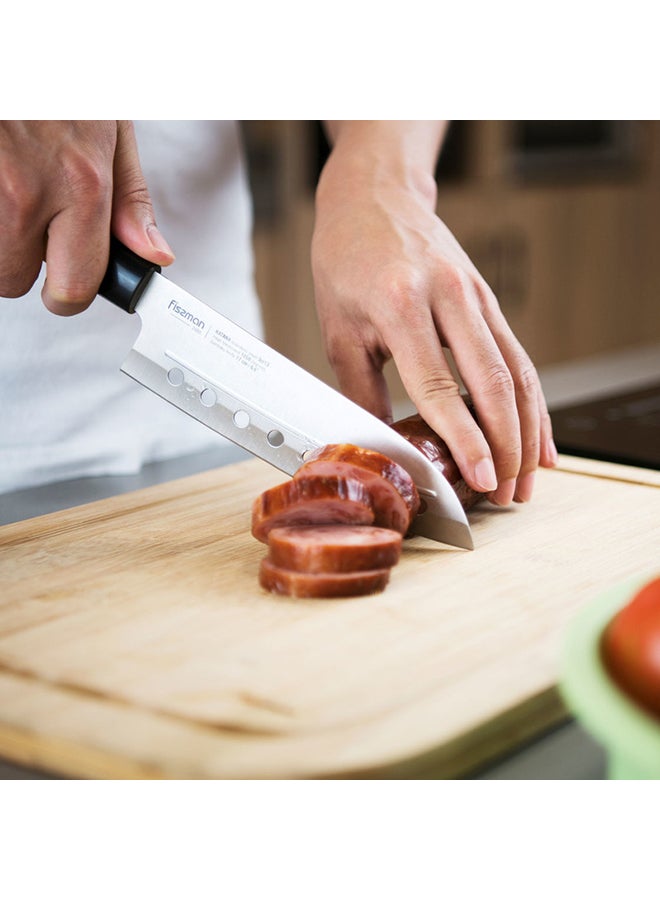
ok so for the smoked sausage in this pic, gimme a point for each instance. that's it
(322, 584)
(422, 436)
(395, 498)
(334, 548)
(312, 500)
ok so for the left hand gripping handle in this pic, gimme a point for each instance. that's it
(126, 277)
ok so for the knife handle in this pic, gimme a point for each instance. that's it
(126, 277)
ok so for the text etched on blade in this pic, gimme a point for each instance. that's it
(252, 361)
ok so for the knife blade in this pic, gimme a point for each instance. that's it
(217, 372)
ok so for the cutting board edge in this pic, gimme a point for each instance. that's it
(61, 758)
(598, 468)
(65, 757)
(467, 753)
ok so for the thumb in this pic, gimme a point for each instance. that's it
(133, 219)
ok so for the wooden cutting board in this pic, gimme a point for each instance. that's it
(136, 642)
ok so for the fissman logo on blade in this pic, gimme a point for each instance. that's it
(177, 310)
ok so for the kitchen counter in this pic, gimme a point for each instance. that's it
(564, 752)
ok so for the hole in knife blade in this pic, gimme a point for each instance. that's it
(175, 377)
(241, 418)
(207, 397)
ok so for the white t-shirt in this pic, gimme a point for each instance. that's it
(66, 409)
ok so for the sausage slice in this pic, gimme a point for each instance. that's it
(396, 501)
(334, 548)
(312, 499)
(304, 584)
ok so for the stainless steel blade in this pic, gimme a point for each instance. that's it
(221, 375)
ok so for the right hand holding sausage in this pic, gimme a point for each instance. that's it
(64, 185)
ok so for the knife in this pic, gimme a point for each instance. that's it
(223, 376)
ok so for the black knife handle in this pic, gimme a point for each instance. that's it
(126, 277)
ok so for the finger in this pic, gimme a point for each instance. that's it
(548, 457)
(490, 384)
(547, 451)
(360, 377)
(528, 398)
(538, 447)
(78, 239)
(20, 263)
(22, 228)
(133, 217)
(430, 384)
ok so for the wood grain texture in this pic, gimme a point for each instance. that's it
(135, 640)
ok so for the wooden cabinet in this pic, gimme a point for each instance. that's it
(562, 219)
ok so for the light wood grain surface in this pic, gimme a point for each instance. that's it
(136, 642)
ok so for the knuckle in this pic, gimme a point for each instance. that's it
(527, 378)
(402, 291)
(497, 382)
(20, 200)
(455, 284)
(87, 177)
(136, 193)
(437, 388)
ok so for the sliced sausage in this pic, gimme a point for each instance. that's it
(304, 584)
(395, 497)
(422, 436)
(372, 461)
(334, 548)
(390, 509)
(312, 500)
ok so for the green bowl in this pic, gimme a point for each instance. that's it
(630, 735)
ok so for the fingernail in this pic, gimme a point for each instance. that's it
(525, 488)
(484, 475)
(158, 242)
(504, 493)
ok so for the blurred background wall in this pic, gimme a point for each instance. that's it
(562, 218)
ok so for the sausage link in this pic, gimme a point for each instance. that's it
(422, 436)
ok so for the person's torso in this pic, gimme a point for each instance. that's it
(67, 410)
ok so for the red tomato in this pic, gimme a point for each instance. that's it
(631, 647)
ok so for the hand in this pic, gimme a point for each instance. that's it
(63, 186)
(391, 281)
